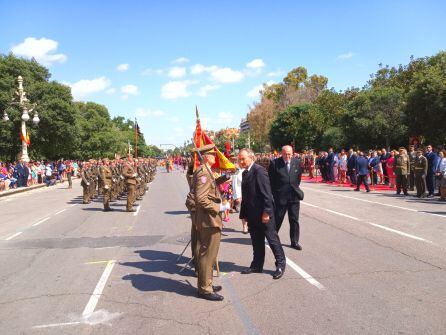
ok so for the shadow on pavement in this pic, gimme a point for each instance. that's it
(237, 240)
(165, 261)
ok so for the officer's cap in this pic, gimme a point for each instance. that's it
(206, 149)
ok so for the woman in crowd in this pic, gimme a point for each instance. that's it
(342, 166)
(389, 167)
(380, 171)
(441, 173)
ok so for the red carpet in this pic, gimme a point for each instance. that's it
(336, 184)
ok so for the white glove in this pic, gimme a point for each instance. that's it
(122, 177)
(225, 207)
(88, 184)
(135, 174)
(106, 187)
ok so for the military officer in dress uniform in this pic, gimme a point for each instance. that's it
(412, 155)
(401, 167)
(420, 168)
(106, 178)
(208, 206)
(129, 173)
(85, 183)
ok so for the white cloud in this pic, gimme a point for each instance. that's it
(177, 72)
(276, 73)
(43, 50)
(204, 90)
(256, 64)
(254, 93)
(143, 112)
(180, 60)
(85, 87)
(227, 75)
(122, 67)
(348, 55)
(111, 91)
(200, 68)
(130, 89)
(176, 89)
(150, 72)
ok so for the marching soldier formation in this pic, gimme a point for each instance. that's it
(113, 179)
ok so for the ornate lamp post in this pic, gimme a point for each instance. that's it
(26, 108)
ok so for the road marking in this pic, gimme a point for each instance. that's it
(94, 299)
(399, 232)
(137, 210)
(63, 210)
(73, 205)
(370, 223)
(58, 325)
(41, 221)
(376, 202)
(305, 275)
(98, 262)
(13, 235)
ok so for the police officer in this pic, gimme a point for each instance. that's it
(208, 206)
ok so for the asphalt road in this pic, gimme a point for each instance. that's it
(371, 264)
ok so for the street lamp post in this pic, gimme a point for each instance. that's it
(26, 108)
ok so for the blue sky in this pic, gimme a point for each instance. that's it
(178, 54)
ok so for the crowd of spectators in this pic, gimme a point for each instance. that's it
(24, 174)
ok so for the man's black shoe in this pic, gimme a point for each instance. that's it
(211, 296)
(216, 288)
(279, 273)
(251, 270)
(108, 209)
(131, 210)
(357, 189)
(296, 246)
(430, 196)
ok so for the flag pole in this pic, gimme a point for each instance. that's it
(136, 138)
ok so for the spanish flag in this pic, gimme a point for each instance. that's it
(200, 139)
(25, 137)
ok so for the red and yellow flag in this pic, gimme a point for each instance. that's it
(200, 139)
(25, 138)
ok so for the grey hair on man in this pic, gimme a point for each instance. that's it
(250, 153)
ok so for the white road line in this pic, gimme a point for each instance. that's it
(63, 210)
(73, 205)
(13, 235)
(41, 221)
(137, 210)
(94, 299)
(399, 232)
(57, 325)
(305, 275)
(370, 223)
(376, 202)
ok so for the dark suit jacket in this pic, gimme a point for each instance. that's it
(284, 185)
(20, 170)
(432, 162)
(362, 166)
(330, 159)
(351, 162)
(256, 195)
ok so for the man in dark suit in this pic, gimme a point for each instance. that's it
(329, 162)
(20, 174)
(285, 174)
(362, 170)
(351, 166)
(257, 209)
(432, 164)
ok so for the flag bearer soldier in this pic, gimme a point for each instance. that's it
(128, 171)
(208, 206)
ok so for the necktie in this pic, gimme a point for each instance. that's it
(244, 173)
(288, 166)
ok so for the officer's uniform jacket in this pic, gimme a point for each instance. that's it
(207, 200)
(401, 165)
(85, 176)
(106, 175)
(420, 165)
(128, 171)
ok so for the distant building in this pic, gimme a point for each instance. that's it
(244, 126)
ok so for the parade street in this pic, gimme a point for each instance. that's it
(371, 264)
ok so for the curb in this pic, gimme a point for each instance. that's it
(24, 189)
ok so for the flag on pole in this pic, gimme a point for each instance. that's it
(25, 137)
(200, 139)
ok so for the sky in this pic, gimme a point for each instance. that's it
(156, 60)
